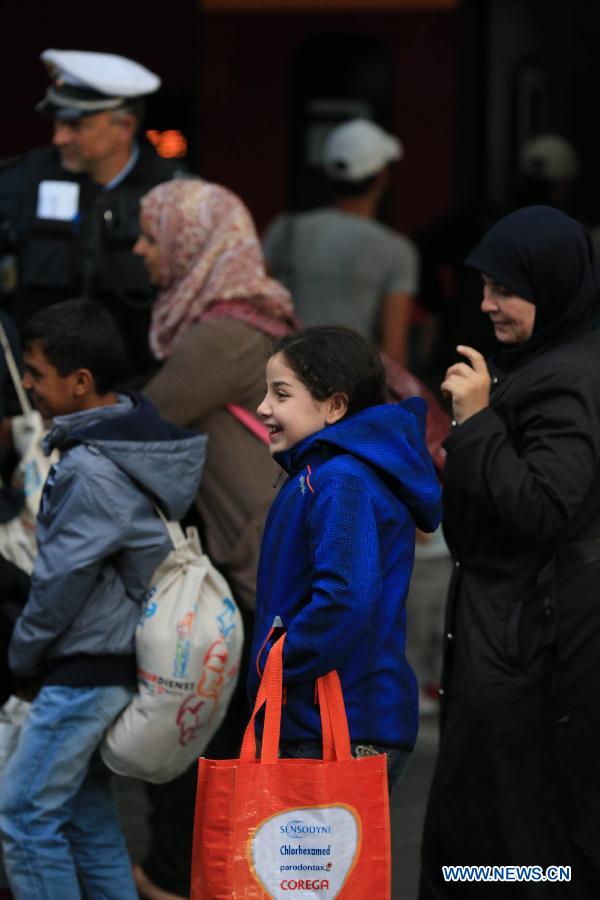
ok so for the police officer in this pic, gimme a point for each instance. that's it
(70, 212)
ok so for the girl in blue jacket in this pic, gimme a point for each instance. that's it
(338, 546)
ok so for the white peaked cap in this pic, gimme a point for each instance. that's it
(359, 149)
(106, 73)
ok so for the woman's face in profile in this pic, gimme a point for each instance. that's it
(513, 317)
(148, 249)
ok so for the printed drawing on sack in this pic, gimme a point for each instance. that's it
(193, 715)
(183, 644)
(227, 618)
(149, 607)
(214, 670)
(197, 709)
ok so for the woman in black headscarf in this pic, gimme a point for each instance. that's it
(517, 777)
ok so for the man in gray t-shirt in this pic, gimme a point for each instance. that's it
(339, 263)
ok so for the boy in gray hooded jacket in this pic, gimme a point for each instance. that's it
(99, 541)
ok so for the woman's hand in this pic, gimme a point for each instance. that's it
(467, 385)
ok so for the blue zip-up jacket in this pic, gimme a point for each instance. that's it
(100, 539)
(335, 565)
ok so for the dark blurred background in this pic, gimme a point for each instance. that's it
(252, 85)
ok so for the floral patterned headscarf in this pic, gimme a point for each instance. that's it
(211, 263)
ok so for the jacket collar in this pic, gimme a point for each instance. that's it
(63, 427)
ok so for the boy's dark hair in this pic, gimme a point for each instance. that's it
(331, 359)
(79, 334)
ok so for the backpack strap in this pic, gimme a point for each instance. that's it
(174, 529)
(14, 372)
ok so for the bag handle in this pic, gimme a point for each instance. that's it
(334, 722)
(14, 372)
(270, 695)
(336, 737)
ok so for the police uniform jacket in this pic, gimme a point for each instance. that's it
(89, 254)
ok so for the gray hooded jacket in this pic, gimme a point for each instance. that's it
(100, 539)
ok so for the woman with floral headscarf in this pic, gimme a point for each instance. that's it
(213, 323)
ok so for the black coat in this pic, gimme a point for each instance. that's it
(517, 775)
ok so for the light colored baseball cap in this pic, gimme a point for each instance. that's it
(359, 149)
(548, 156)
(85, 82)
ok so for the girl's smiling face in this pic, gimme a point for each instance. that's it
(289, 410)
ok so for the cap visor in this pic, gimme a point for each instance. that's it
(67, 114)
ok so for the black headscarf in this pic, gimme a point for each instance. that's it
(545, 257)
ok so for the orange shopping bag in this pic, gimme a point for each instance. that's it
(302, 828)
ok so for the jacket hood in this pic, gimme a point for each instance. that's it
(163, 459)
(390, 439)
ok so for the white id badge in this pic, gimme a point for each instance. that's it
(58, 200)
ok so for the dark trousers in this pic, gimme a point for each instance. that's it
(14, 588)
